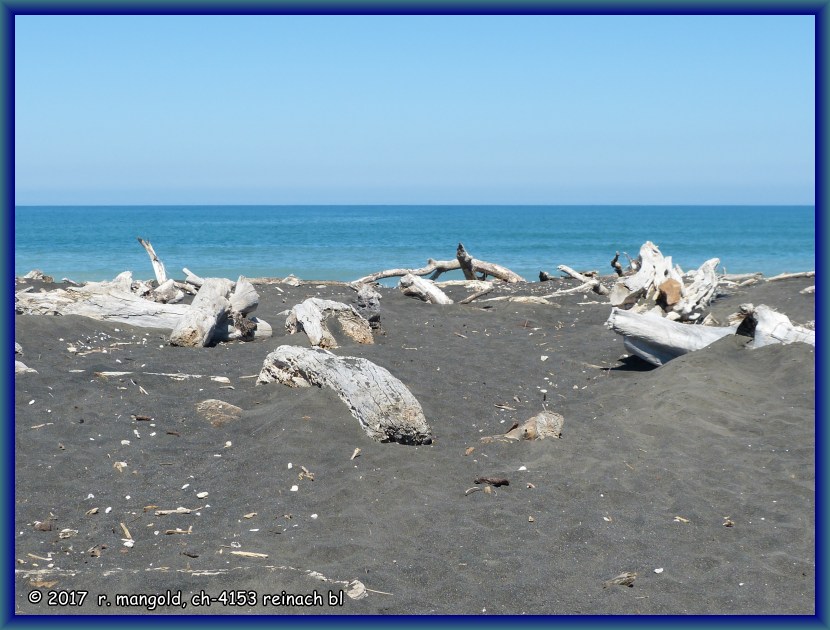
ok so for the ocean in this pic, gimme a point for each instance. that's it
(346, 242)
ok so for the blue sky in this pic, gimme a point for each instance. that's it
(414, 109)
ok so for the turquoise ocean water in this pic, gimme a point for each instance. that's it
(346, 242)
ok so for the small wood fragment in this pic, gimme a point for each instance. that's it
(249, 554)
(623, 579)
(493, 481)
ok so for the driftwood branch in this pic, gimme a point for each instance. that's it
(158, 266)
(790, 276)
(471, 266)
(596, 286)
(385, 408)
(435, 267)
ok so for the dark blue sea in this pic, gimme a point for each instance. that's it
(346, 242)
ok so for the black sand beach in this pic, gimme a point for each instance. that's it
(698, 476)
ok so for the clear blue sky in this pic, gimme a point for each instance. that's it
(424, 109)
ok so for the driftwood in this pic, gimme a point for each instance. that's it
(115, 301)
(767, 326)
(422, 289)
(385, 408)
(658, 340)
(595, 285)
(167, 292)
(106, 301)
(368, 305)
(21, 368)
(543, 425)
(659, 286)
(471, 266)
(476, 295)
(192, 278)
(158, 266)
(434, 267)
(808, 290)
(209, 307)
(790, 276)
(310, 317)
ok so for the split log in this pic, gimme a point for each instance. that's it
(158, 266)
(310, 317)
(659, 340)
(423, 289)
(434, 267)
(209, 307)
(385, 408)
(596, 286)
(470, 266)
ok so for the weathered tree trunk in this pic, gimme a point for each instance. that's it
(659, 340)
(158, 266)
(423, 289)
(310, 317)
(470, 266)
(209, 308)
(385, 408)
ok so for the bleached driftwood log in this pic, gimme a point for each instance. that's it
(659, 340)
(425, 290)
(594, 283)
(658, 284)
(471, 266)
(115, 301)
(385, 408)
(22, 368)
(808, 290)
(209, 307)
(790, 276)
(105, 301)
(310, 317)
(767, 326)
(158, 266)
(434, 267)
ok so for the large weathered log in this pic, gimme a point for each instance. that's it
(105, 301)
(434, 267)
(423, 289)
(158, 266)
(310, 317)
(659, 340)
(209, 308)
(471, 266)
(385, 408)
(790, 276)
